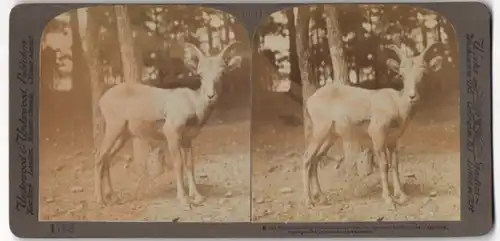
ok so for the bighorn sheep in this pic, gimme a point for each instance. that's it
(336, 109)
(149, 113)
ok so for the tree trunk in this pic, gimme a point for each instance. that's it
(302, 40)
(227, 26)
(80, 83)
(294, 63)
(318, 45)
(81, 87)
(334, 36)
(352, 146)
(231, 86)
(295, 92)
(424, 35)
(47, 101)
(94, 66)
(131, 69)
(210, 39)
(132, 74)
(438, 28)
(373, 44)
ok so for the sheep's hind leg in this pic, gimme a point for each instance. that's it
(101, 165)
(317, 193)
(110, 194)
(142, 154)
(310, 158)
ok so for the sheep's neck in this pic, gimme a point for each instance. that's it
(405, 107)
(204, 106)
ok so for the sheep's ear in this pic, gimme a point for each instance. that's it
(192, 56)
(435, 63)
(191, 63)
(393, 65)
(234, 62)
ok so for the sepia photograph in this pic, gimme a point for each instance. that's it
(355, 115)
(145, 115)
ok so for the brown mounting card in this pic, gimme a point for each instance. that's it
(191, 120)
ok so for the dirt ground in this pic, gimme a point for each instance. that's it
(226, 172)
(222, 155)
(429, 167)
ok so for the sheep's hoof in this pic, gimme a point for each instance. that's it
(321, 199)
(185, 204)
(112, 198)
(308, 203)
(389, 202)
(101, 203)
(198, 199)
(401, 198)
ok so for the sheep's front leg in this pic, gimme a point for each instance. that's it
(172, 133)
(310, 158)
(193, 189)
(378, 135)
(398, 190)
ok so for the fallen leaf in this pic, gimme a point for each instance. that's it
(286, 190)
(272, 169)
(76, 189)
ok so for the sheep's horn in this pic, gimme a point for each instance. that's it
(227, 47)
(198, 52)
(397, 50)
